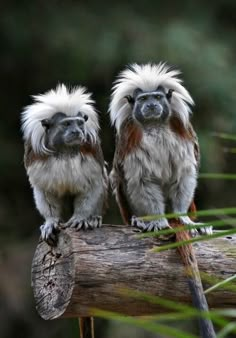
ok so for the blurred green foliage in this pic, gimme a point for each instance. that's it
(88, 42)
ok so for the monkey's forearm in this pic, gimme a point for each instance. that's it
(146, 199)
(182, 193)
(49, 206)
(91, 203)
(88, 209)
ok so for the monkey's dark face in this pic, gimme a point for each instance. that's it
(151, 107)
(63, 131)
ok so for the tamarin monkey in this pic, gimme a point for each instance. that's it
(156, 159)
(64, 163)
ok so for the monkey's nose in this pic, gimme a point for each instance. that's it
(151, 106)
(76, 132)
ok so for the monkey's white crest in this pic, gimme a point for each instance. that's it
(148, 77)
(69, 102)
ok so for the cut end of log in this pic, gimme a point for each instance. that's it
(53, 275)
(88, 269)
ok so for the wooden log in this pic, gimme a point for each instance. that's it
(87, 269)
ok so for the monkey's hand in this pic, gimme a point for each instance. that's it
(155, 225)
(79, 223)
(50, 230)
(185, 220)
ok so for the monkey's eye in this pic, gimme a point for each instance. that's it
(66, 123)
(158, 97)
(80, 122)
(143, 98)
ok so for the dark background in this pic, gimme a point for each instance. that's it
(43, 43)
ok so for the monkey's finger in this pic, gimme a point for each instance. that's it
(86, 225)
(99, 221)
(63, 225)
(135, 222)
(141, 226)
(75, 223)
(52, 240)
(95, 222)
(206, 230)
(149, 227)
(78, 225)
(193, 232)
(93, 225)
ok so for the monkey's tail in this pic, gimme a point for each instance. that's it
(194, 280)
(86, 327)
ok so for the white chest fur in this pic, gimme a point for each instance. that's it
(162, 156)
(65, 175)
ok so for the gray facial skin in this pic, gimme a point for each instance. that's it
(151, 107)
(63, 132)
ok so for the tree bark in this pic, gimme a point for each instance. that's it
(88, 269)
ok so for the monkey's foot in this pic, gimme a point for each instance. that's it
(185, 220)
(144, 226)
(87, 223)
(50, 230)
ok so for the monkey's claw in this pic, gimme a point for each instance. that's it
(208, 230)
(49, 231)
(95, 222)
(85, 224)
(145, 226)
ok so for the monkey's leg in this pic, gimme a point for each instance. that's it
(146, 200)
(181, 195)
(88, 209)
(49, 207)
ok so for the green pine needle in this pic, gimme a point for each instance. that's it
(195, 239)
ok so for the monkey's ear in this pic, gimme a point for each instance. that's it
(46, 123)
(169, 94)
(130, 99)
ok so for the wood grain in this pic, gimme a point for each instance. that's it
(88, 269)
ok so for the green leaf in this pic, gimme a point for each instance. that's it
(227, 312)
(193, 240)
(225, 136)
(221, 284)
(174, 306)
(187, 227)
(208, 212)
(144, 323)
(229, 150)
(220, 176)
(231, 327)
